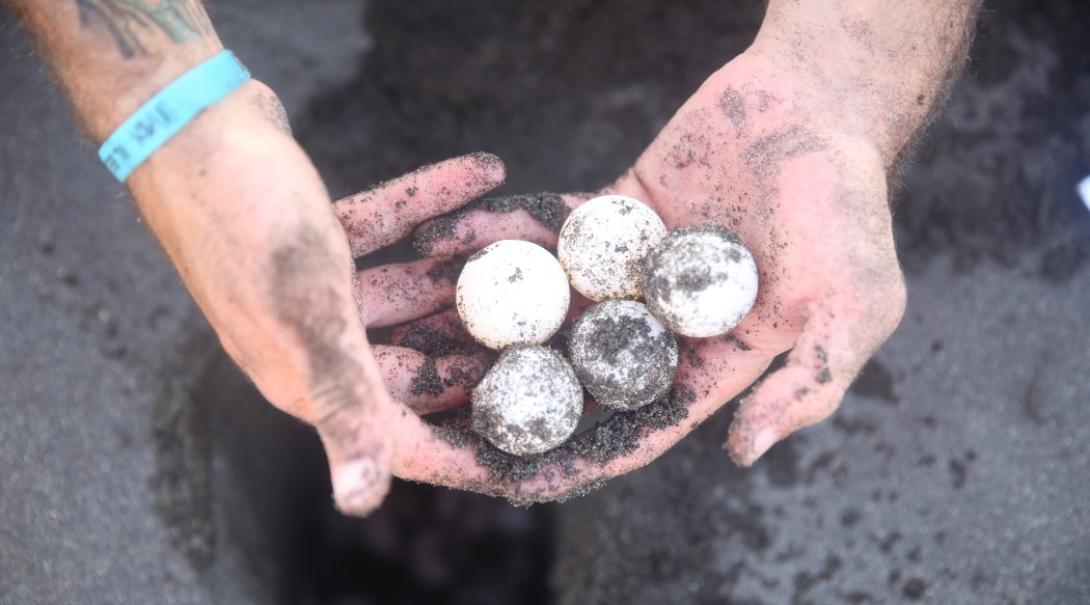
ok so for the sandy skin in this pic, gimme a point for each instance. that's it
(811, 205)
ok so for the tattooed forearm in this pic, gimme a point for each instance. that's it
(132, 23)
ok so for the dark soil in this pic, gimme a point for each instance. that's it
(546, 208)
(616, 436)
(433, 343)
(447, 272)
(995, 176)
(427, 380)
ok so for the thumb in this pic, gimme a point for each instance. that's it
(327, 366)
(350, 416)
(837, 340)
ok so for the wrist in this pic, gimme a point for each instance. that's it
(237, 131)
(224, 193)
(205, 90)
(852, 86)
(229, 161)
(105, 102)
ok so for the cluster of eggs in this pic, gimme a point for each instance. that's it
(513, 296)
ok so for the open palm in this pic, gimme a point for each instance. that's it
(747, 151)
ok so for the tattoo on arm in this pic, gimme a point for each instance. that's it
(133, 23)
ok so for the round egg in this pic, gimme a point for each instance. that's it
(512, 292)
(529, 402)
(700, 281)
(623, 355)
(603, 242)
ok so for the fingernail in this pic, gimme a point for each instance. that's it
(490, 161)
(355, 486)
(765, 439)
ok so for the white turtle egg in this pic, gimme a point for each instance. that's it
(700, 281)
(529, 402)
(512, 292)
(603, 243)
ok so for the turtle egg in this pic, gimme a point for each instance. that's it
(603, 242)
(622, 354)
(512, 292)
(529, 402)
(700, 281)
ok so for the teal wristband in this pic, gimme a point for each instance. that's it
(168, 112)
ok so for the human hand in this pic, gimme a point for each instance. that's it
(760, 152)
(249, 226)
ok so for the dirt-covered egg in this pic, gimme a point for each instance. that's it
(529, 402)
(700, 281)
(512, 292)
(603, 243)
(623, 355)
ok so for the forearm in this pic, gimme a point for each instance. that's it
(225, 196)
(882, 68)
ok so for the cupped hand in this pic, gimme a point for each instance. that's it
(758, 152)
(250, 228)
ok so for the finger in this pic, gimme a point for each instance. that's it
(381, 216)
(350, 419)
(837, 340)
(444, 333)
(400, 292)
(435, 335)
(633, 184)
(429, 384)
(536, 218)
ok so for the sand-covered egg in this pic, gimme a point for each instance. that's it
(623, 355)
(603, 243)
(700, 281)
(512, 292)
(529, 402)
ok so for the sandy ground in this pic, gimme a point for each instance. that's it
(136, 465)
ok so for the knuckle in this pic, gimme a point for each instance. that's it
(817, 409)
(339, 415)
(893, 307)
(882, 307)
(827, 406)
